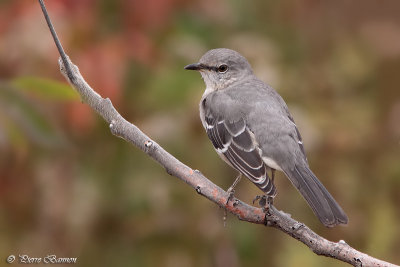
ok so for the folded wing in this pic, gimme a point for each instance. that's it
(234, 141)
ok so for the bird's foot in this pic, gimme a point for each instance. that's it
(259, 199)
(264, 201)
(231, 194)
(231, 190)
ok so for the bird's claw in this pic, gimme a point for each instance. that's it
(231, 193)
(258, 197)
(264, 201)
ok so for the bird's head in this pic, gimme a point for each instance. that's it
(221, 68)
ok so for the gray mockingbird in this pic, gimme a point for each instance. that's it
(252, 130)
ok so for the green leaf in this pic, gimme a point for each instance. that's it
(46, 88)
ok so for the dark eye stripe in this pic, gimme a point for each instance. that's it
(211, 68)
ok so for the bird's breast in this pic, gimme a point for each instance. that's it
(202, 106)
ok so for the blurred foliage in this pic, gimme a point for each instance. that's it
(46, 89)
(68, 187)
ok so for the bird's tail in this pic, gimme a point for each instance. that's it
(320, 200)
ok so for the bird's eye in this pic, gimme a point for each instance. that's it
(222, 68)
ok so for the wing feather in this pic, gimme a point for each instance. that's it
(234, 141)
(300, 140)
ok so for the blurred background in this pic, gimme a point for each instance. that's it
(68, 187)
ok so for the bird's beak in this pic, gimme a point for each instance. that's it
(194, 66)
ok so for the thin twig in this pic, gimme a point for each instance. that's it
(56, 40)
(203, 186)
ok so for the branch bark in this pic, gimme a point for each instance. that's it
(203, 186)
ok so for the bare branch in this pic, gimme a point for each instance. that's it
(203, 186)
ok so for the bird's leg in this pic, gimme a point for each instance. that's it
(265, 201)
(270, 197)
(231, 192)
(231, 189)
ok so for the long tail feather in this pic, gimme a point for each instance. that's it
(320, 200)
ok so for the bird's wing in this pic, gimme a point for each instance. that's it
(299, 139)
(236, 143)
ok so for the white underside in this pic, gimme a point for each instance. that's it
(271, 163)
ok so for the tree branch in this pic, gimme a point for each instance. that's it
(203, 186)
